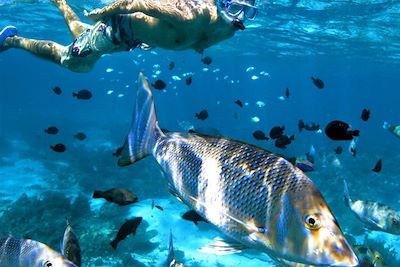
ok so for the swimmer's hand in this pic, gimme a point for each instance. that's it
(93, 15)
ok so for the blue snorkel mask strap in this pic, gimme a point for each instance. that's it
(236, 23)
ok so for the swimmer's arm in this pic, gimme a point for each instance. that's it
(160, 9)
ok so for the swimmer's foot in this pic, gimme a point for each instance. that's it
(8, 31)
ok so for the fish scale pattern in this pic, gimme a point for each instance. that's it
(252, 181)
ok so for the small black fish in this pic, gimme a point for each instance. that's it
(158, 207)
(283, 141)
(80, 136)
(83, 94)
(120, 196)
(239, 103)
(365, 114)
(301, 125)
(287, 93)
(118, 151)
(291, 160)
(338, 150)
(339, 130)
(159, 85)
(310, 157)
(171, 65)
(260, 135)
(129, 227)
(51, 130)
(353, 148)
(202, 115)
(378, 166)
(57, 90)
(58, 148)
(276, 132)
(206, 60)
(318, 82)
(353, 151)
(312, 126)
(189, 80)
(193, 216)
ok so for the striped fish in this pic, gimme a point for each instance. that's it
(251, 195)
(29, 253)
(374, 215)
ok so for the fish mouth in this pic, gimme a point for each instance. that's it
(337, 253)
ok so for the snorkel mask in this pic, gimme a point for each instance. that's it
(237, 11)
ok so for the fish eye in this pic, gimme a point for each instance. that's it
(47, 264)
(312, 222)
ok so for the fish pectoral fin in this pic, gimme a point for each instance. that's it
(220, 246)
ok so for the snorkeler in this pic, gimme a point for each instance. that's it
(128, 24)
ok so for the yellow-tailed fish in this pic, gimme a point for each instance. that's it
(29, 253)
(374, 215)
(253, 196)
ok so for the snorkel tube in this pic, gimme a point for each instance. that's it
(222, 6)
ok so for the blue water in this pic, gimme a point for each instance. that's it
(353, 46)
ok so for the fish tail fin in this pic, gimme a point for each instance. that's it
(347, 200)
(386, 125)
(74, 94)
(355, 133)
(114, 244)
(145, 131)
(97, 194)
(301, 125)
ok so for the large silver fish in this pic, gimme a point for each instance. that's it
(374, 215)
(253, 196)
(29, 253)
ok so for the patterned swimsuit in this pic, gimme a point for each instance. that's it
(113, 35)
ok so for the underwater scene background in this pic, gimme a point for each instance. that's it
(353, 46)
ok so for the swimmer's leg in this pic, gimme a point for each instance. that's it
(75, 25)
(45, 49)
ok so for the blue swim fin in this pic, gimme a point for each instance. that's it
(8, 31)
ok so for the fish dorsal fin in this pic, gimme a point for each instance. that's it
(220, 246)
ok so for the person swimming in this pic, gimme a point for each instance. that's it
(126, 24)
